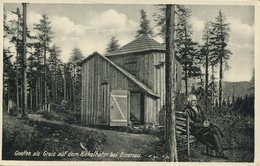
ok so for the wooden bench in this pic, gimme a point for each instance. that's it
(183, 132)
(183, 129)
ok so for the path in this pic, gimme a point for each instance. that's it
(117, 142)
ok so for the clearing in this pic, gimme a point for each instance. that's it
(53, 139)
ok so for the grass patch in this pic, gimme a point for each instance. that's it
(21, 135)
(70, 117)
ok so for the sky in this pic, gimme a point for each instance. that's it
(90, 27)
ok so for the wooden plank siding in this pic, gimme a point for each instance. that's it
(144, 68)
(99, 79)
(149, 107)
(92, 84)
(82, 94)
(159, 81)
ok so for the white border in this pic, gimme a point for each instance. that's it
(190, 2)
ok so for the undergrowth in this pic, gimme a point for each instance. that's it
(20, 135)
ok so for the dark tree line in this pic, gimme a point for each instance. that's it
(240, 104)
(244, 105)
(49, 80)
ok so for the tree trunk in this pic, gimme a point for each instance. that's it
(73, 95)
(64, 86)
(186, 80)
(186, 66)
(221, 65)
(40, 91)
(53, 89)
(220, 83)
(24, 81)
(206, 77)
(8, 96)
(70, 95)
(31, 98)
(36, 94)
(171, 144)
(17, 88)
(45, 73)
(31, 87)
(55, 81)
(56, 88)
(21, 96)
(16, 66)
(213, 87)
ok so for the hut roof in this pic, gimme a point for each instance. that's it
(129, 76)
(140, 44)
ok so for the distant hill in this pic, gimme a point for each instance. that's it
(241, 88)
(237, 89)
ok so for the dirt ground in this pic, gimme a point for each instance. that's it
(112, 145)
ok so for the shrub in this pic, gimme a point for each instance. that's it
(18, 136)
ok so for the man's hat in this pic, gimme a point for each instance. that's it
(191, 97)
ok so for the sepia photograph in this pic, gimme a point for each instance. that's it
(128, 82)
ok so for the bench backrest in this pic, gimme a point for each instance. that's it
(182, 123)
(183, 128)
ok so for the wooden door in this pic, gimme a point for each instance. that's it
(137, 107)
(118, 108)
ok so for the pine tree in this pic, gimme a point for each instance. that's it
(7, 65)
(220, 35)
(54, 64)
(205, 57)
(15, 34)
(206, 46)
(36, 71)
(32, 75)
(186, 49)
(212, 86)
(145, 28)
(75, 75)
(44, 36)
(8, 77)
(251, 105)
(76, 56)
(252, 81)
(112, 45)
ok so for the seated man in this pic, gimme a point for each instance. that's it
(201, 128)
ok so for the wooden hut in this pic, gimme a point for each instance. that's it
(127, 86)
(106, 97)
